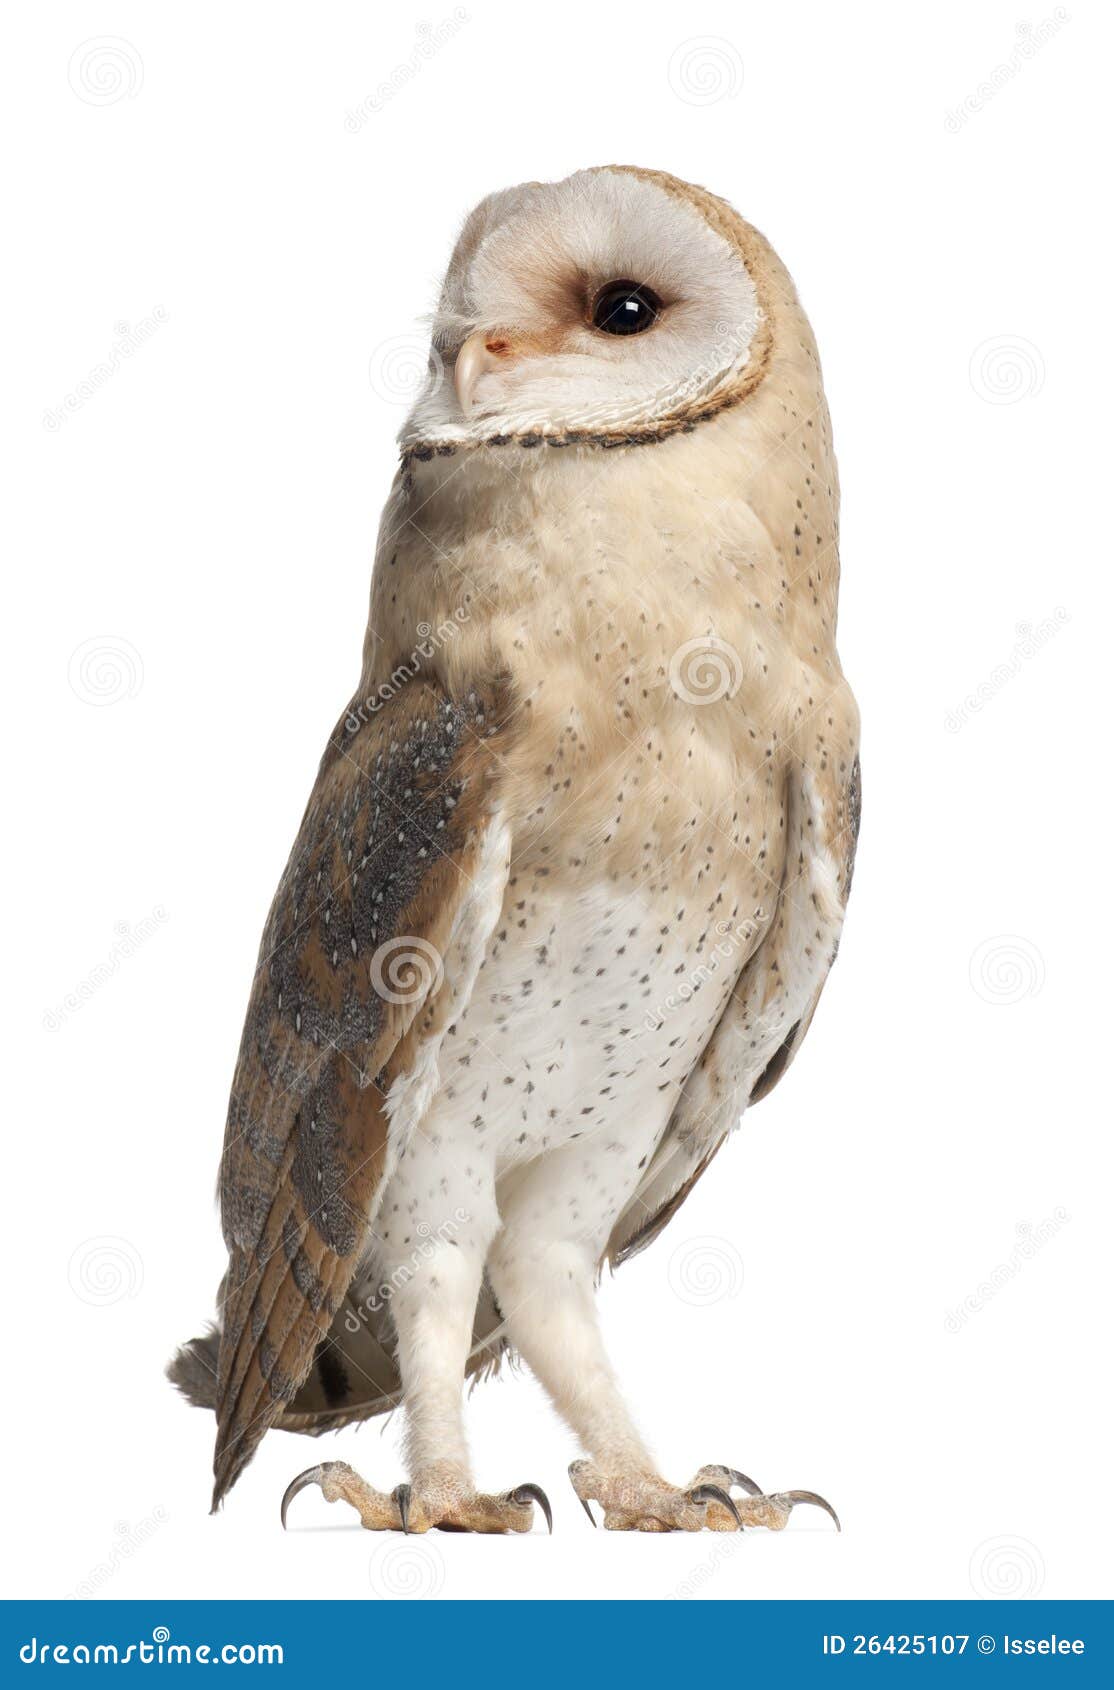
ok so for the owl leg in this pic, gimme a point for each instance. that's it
(546, 1291)
(544, 1282)
(429, 1257)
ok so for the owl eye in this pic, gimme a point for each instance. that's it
(625, 308)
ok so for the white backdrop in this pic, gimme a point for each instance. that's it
(892, 1287)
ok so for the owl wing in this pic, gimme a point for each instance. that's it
(773, 1000)
(371, 948)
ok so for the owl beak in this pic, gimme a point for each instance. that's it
(481, 352)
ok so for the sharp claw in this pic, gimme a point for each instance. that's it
(576, 1467)
(311, 1476)
(714, 1493)
(401, 1496)
(740, 1479)
(795, 1496)
(534, 1493)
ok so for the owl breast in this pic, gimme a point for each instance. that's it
(629, 912)
(645, 649)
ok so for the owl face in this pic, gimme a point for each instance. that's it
(601, 305)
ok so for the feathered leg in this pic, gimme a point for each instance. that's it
(545, 1286)
(429, 1258)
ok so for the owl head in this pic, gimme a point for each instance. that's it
(617, 306)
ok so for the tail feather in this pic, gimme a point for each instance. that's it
(193, 1369)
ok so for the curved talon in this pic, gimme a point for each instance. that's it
(576, 1467)
(400, 1496)
(736, 1478)
(713, 1493)
(534, 1493)
(311, 1476)
(795, 1496)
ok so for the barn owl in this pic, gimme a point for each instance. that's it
(574, 869)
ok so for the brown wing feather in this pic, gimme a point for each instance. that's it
(377, 877)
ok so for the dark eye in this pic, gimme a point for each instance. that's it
(625, 308)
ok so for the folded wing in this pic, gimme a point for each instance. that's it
(370, 949)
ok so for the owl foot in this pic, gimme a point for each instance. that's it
(437, 1497)
(641, 1502)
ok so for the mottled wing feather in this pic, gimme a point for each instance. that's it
(773, 1000)
(348, 987)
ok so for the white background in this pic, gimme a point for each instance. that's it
(849, 1302)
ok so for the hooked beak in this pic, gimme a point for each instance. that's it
(481, 352)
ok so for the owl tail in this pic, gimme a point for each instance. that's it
(194, 1369)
